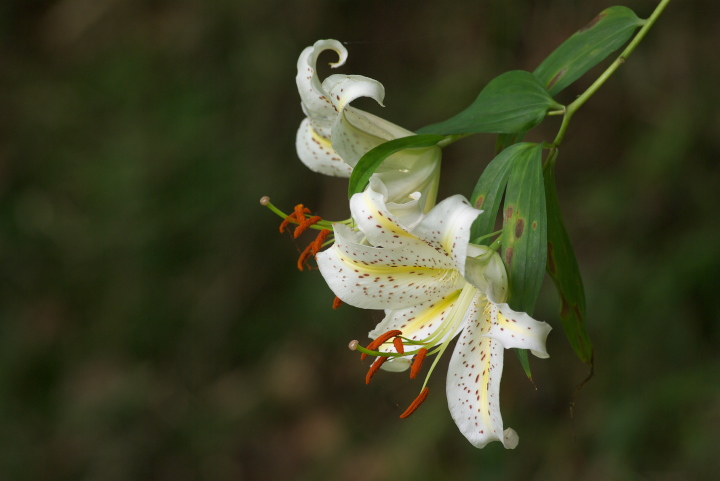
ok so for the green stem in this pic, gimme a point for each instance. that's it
(580, 101)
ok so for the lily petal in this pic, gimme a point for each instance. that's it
(473, 382)
(315, 151)
(382, 278)
(518, 330)
(382, 226)
(416, 323)
(446, 228)
(315, 100)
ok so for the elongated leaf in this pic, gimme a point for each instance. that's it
(586, 48)
(563, 269)
(524, 237)
(490, 187)
(512, 102)
(369, 162)
(504, 141)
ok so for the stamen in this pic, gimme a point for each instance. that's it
(353, 344)
(417, 363)
(304, 257)
(381, 339)
(300, 213)
(337, 303)
(320, 240)
(416, 403)
(398, 343)
(305, 225)
(374, 368)
(289, 219)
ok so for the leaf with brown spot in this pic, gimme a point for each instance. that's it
(490, 188)
(587, 47)
(525, 202)
(563, 269)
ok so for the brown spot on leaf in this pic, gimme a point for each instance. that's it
(508, 213)
(552, 267)
(593, 22)
(480, 202)
(535, 225)
(557, 78)
(564, 307)
(509, 255)
(578, 314)
(519, 228)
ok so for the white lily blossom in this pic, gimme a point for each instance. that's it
(334, 136)
(434, 285)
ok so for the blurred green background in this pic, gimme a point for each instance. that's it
(153, 324)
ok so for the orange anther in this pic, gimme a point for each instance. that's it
(337, 302)
(286, 222)
(374, 368)
(416, 403)
(320, 240)
(305, 225)
(398, 343)
(300, 211)
(304, 257)
(379, 340)
(417, 363)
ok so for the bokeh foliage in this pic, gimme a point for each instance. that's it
(152, 323)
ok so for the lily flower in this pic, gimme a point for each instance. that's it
(434, 286)
(334, 136)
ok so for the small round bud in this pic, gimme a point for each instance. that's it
(264, 200)
(353, 345)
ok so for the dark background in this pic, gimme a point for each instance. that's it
(153, 324)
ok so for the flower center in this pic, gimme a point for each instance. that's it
(418, 350)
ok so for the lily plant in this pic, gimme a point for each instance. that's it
(434, 286)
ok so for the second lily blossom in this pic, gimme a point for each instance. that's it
(433, 285)
(334, 136)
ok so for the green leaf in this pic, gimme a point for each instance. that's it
(490, 187)
(525, 362)
(512, 102)
(563, 269)
(586, 48)
(369, 162)
(504, 141)
(524, 236)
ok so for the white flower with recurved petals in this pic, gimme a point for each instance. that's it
(334, 136)
(433, 285)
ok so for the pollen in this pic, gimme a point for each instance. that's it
(304, 257)
(398, 343)
(416, 403)
(336, 305)
(374, 368)
(418, 362)
(305, 225)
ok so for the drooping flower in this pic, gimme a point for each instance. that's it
(334, 136)
(433, 286)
